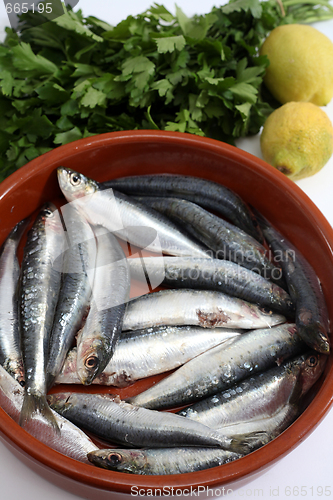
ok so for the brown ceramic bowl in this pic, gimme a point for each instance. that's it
(144, 152)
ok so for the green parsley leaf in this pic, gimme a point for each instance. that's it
(93, 98)
(74, 77)
(69, 136)
(25, 60)
(253, 5)
(170, 44)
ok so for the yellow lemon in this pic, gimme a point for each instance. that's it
(301, 64)
(297, 139)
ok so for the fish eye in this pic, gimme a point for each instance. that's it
(91, 362)
(47, 212)
(266, 310)
(75, 179)
(312, 361)
(114, 459)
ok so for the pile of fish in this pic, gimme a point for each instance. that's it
(241, 337)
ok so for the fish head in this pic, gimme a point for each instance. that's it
(91, 356)
(311, 369)
(312, 332)
(132, 461)
(75, 185)
(61, 401)
(18, 373)
(266, 315)
(48, 216)
(49, 223)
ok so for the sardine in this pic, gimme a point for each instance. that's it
(204, 192)
(225, 240)
(97, 339)
(132, 221)
(259, 431)
(304, 288)
(223, 366)
(161, 461)
(261, 396)
(75, 291)
(143, 353)
(10, 351)
(204, 308)
(214, 274)
(70, 441)
(256, 433)
(115, 421)
(39, 290)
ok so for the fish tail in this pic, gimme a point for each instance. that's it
(36, 405)
(245, 443)
(17, 233)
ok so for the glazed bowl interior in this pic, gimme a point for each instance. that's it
(145, 152)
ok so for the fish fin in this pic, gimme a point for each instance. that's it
(245, 443)
(296, 394)
(37, 405)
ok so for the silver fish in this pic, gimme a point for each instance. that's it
(304, 287)
(204, 308)
(211, 195)
(133, 221)
(144, 353)
(10, 352)
(262, 406)
(223, 366)
(75, 293)
(258, 431)
(70, 441)
(39, 290)
(225, 240)
(115, 421)
(97, 339)
(214, 274)
(161, 461)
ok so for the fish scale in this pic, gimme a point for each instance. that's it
(161, 461)
(204, 308)
(75, 293)
(222, 366)
(97, 339)
(70, 440)
(304, 287)
(225, 240)
(214, 274)
(259, 396)
(134, 222)
(39, 290)
(10, 353)
(116, 421)
(143, 353)
(204, 192)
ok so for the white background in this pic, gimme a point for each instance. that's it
(310, 464)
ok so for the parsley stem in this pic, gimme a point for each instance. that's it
(324, 3)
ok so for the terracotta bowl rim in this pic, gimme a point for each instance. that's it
(283, 444)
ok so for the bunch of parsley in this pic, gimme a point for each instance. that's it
(74, 77)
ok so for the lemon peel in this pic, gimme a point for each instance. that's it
(297, 139)
(301, 64)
